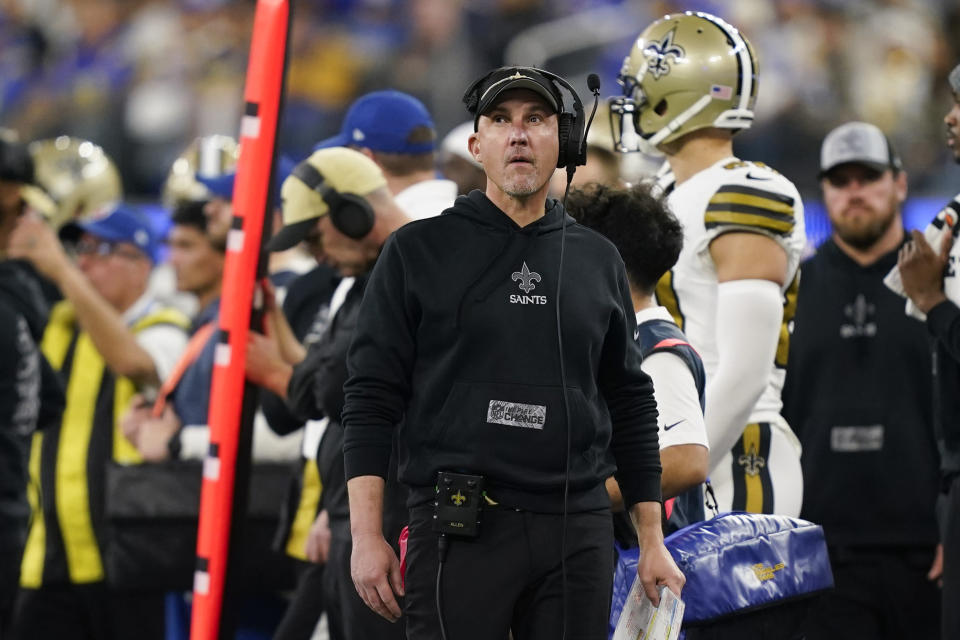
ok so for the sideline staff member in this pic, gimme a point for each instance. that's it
(457, 337)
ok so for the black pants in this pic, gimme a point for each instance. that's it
(304, 610)
(9, 585)
(879, 593)
(348, 617)
(87, 612)
(951, 564)
(509, 577)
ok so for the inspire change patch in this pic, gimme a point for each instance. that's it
(515, 414)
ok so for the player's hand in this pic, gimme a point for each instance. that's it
(376, 574)
(921, 270)
(657, 568)
(318, 539)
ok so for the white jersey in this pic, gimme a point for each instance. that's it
(731, 195)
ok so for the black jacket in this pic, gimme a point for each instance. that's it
(316, 391)
(857, 394)
(457, 343)
(943, 323)
(305, 308)
(31, 393)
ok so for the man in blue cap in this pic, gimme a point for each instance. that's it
(396, 131)
(108, 339)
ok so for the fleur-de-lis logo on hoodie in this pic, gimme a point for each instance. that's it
(526, 278)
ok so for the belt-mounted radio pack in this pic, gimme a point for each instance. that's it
(457, 504)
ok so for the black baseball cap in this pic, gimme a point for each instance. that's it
(483, 94)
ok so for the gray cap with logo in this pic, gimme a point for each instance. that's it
(859, 143)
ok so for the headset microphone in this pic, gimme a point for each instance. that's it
(593, 83)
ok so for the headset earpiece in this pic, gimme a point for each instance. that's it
(349, 213)
(569, 126)
(471, 97)
(564, 131)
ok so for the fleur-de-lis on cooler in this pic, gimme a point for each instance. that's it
(526, 278)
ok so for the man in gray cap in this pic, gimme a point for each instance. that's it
(857, 394)
(929, 276)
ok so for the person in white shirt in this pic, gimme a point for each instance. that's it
(649, 239)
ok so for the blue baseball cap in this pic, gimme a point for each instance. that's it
(220, 186)
(383, 121)
(121, 223)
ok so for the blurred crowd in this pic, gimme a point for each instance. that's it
(143, 78)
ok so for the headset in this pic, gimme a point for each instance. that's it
(570, 126)
(349, 213)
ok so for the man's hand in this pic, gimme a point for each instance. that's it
(153, 441)
(376, 574)
(935, 574)
(656, 566)
(265, 366)
(32, 240)
(921, 270)
(318, 539)
(276, 326)
(136, 415)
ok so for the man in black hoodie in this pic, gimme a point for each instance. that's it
(457, 343)
(857, 394)
(30, 393)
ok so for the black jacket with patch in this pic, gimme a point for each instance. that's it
(456, 343)
(858, 395)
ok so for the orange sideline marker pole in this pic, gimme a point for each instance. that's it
(226, 469)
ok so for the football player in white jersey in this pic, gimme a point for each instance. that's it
(690, 83)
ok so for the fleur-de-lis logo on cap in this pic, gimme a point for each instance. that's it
(526, 278)
(658, 53)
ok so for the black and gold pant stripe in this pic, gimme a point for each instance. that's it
(752, 487)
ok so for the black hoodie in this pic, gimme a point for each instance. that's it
(457, 343)
(31, 394)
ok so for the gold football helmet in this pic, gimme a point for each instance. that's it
(208, 156)
(74, 179)
(686, 71)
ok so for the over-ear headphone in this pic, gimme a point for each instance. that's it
(349, 213)
(570, 126)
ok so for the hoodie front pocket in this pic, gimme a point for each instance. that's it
(509, 430)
